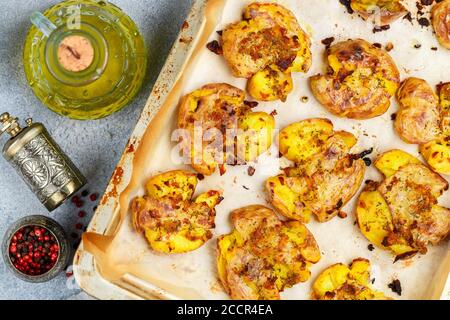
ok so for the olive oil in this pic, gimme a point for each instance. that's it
(111, 54)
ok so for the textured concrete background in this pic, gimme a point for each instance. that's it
(94, 146)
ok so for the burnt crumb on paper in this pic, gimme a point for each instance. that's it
(215, 47)
(328, 41)
(381, 28)
(393, 116)
(408, 17)
(274, 113)
(251, 171)
(367, 162)
(347, 5)
(200, 176)
(424, 22)
(251, 104)
(363, 154)
(389, 47)
(371, 247)
(404, 256)
(246, 188)
(342, 214)
(426, 2)
(396, 287)
(378, 45)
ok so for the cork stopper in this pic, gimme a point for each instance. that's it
(75, 53)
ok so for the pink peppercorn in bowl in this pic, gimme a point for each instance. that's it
(35, 248)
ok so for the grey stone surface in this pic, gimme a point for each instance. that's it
(94, 146)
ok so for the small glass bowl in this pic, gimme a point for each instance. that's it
(60, 236)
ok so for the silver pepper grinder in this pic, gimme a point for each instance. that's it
(40, 162)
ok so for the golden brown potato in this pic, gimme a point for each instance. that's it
(384, 11)
(437, 154)
(270, 84)
(424, 119)
(325, 176)
(361, 80)
(389, 162)
(444, 100)
(444, 96)
(411, 194)
(264, 255)
(171, 221)
(266, 47)
(440, 16)
(375, 221)
(419, 117)
(339, 282)
(218, 113)
(402, 212)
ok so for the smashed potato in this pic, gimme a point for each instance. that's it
(361, 81)
(444, 97)
(339, 282)
(384, 11)
(419, 117)
(270, 84)
(325, 176)
(265, 48)
(440, 15)
(424, 119)
(170, 219)
(229, 131)
(402, 212)
(264, 255)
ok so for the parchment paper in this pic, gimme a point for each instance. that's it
(193, 275)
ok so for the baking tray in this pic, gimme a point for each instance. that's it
(114, 262)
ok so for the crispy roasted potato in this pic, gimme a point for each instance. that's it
(444, 100)
(375, 221)
(440, 15)
(437, 154)
(389, 162)
(444, 96)
(170, 219)
(402, 213)
(266, 47)
(384, 11)
(270, 84)
(301, 140)
(424, 119)
(325, 176)
(418, 120)
(230, 131)
(339, 282)
(360, 83)
(264, 255)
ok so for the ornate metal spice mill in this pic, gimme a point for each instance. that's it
(40, 162)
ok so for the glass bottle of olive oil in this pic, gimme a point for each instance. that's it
(84, 59)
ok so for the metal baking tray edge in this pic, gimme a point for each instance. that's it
(84, 266)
